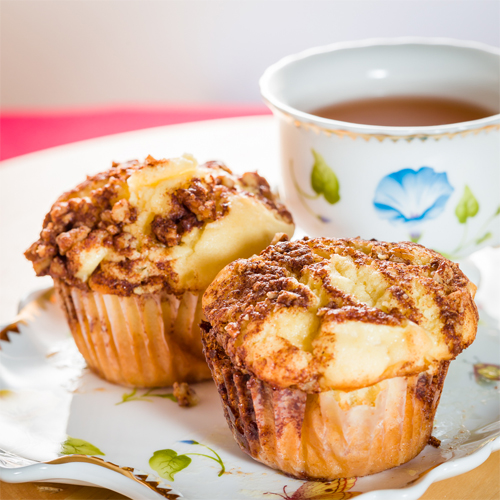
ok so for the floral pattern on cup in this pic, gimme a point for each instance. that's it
(324, 182)
(467, 208)
(412, 196)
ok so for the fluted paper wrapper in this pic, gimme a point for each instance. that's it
(331, 434)
(139, 341)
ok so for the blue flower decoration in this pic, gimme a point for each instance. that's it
(189, 441)
(412, 196)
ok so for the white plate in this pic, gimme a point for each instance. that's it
(53, 395)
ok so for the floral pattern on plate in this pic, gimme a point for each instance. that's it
(169, 462)
(332, 490)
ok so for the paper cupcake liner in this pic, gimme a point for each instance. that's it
(331, 434)
(139, 341)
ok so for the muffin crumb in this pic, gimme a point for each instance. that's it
(434, 442)
(186, 395)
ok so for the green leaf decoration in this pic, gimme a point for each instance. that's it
(165, 396)
(132, 396)
(467, 207)
(323, 179)
(74, 446)
(217, 457)
(485, 237)
(128, 396)
(497, 212)
(486, 373)
(168, 462)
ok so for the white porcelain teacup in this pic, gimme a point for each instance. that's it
(438, 185)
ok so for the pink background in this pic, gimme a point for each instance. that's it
(26, 132)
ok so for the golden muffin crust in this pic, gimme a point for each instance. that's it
(159, 225)
(321, 314)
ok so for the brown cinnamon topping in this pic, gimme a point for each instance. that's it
(192, 207)
(65, 241)
(401, 290)
(263, 191)
(94, 230)
(166, 230)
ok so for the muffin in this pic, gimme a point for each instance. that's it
(131, 251)
(330, 354)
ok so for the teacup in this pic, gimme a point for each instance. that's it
(437, 185)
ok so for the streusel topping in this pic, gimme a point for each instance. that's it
(321, 314)
(159, 225)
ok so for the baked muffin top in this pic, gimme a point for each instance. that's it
(160, 225)
(321, 314)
